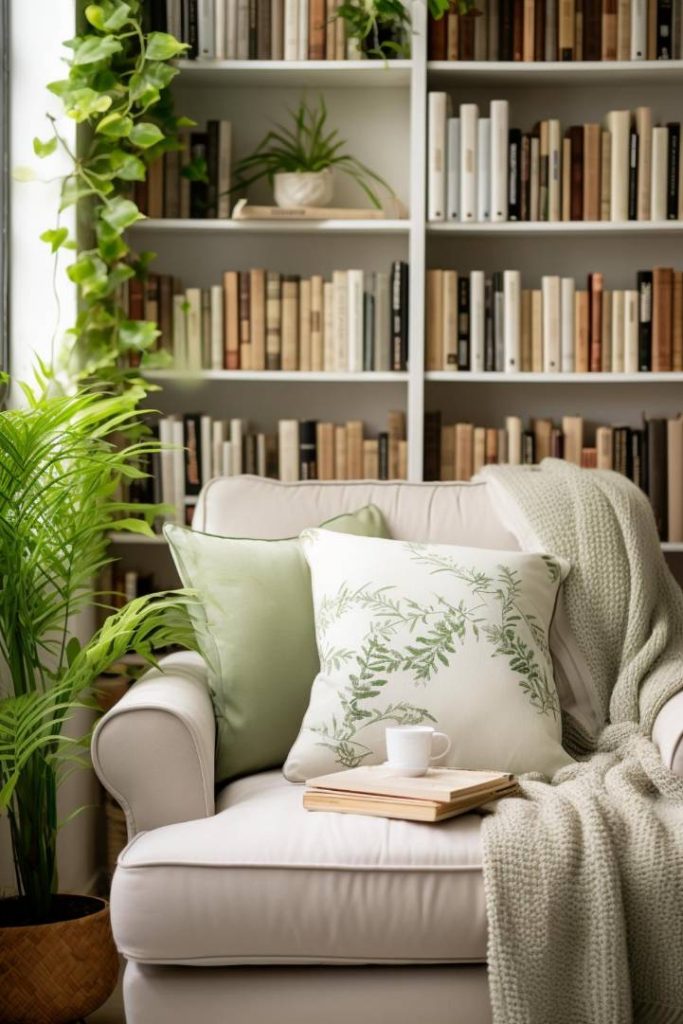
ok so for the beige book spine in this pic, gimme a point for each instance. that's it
(581, 328)
(677, 324)
(340, 320)
(591, 171)
(231, 323)
(572, 430)
(542, 436)
(566, 30)
(604, 444)
(618, 330)
(623, 29)
(618, 124)
(434, 346)
(452, 35)
(257, 305)
(449, 350)
(396, 423)
(317, 351)
(674, 437)
(554, 169)
(644, 130)
(324, 440)
(525, 348)
(193, 341)
(464, 437)
(631, 331)
(447, 469)
(354, 449)
(288, 450)
(329, 364)
(479, 450)
(606, 335)
(273, 322)
(660, 144)
(340, 472)
(370, 459)
(536, 331)
(330, 31)
(491, 447)
(402, 460)
(566, 178)
(513, 429)
(290, 323)
(528, 29)
(305, 356)
(605, 176)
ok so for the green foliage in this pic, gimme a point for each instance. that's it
(307, 145)
(60, 474)
(382, 27)
(117, 89)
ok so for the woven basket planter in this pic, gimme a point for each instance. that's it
(58, 972)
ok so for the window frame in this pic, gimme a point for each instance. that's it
(4, 185)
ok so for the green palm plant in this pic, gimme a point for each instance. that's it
(308, 145)
(60, 474)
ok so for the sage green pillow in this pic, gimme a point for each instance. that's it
(255, 629)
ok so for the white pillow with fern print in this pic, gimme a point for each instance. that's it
(448, 636)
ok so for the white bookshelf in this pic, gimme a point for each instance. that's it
(380, 109)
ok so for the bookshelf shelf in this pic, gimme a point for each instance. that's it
(280, 376)
(273, 227)
(350, 74)
(467, 377)
(123, 537)
(577, 73)
(532, 229)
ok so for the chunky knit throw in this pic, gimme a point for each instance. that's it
(584, 876)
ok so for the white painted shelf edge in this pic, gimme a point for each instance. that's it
(563, 227)
(274, 226)
(280, 376)
(578, 72)
(249, 73)
(469, 377)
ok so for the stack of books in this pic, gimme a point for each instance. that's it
(566, 31)
(264, 320)
(198, 447)
(256, 29)
(480, 169)
(651, 456)
(482, 323)
(192, 181)
(376, 791)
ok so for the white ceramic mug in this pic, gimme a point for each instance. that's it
(410, 748)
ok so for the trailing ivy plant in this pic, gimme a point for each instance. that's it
(117, 90)
(382, 27)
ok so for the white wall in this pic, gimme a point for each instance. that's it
(42, 305)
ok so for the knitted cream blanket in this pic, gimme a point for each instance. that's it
(584, 877)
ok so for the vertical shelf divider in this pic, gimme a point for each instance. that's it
(417, 254)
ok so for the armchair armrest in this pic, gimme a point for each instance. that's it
(154, 750)
(667, 733)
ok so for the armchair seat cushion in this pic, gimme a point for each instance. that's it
(266, 882)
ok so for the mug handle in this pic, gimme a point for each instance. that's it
(442, 753)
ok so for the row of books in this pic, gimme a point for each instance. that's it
(198, 447)
(193, 181)
(264, 320)
(570, 30)
(480, 169)
(652, 457)
(483, 323)
(256, 29)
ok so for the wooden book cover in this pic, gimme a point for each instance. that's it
(370, 459)
(340, 472)
(290, 322)
(231, 318)
(662, 307)
(325, 450)
(572, 430)
(592, 140)
(595, 289)
(442, 785)
(354, 449)
(273, 321)
(677, 323)
(609, 29)
(447, 453)
(316, 29)
(566, 29)
(434, 340)
(464, 440)
(674, 451)
(246, 211)
(257, 306)
(576, 138)
(394, 807)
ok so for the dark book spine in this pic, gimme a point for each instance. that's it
(620, 458)
(463, 322)
(664, 29)
(190, 28)
(466, 37)
(383, 456)
(637, 461)
(657, 461)
(506, 29)
(212, 168)
(396, 315)
(436, 40)
(644, 285)
(253, 29)
(263, 29)
(518, 30)
(525, 178)
(576, 172)
(368, 331)
(672, 170)
(539, 29)
(514, 174)
(556, 443)
(403, 303)
(192, 443)
(432, 445)
(489, 328)
(157, 16)
(498, 321)
(198, 189)
(250, 454)
(592, 29)
(307, 452)
(633, 175)
(528, 448)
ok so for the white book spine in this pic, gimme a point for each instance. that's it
(329, 356)
(173, 18)
(477, 321)
(219, 29)
(340, 326)
(638, 29)
(288, 450)
(453, 172)
(166, 460)
(291, 29)
(219, 431)
(231, 29)
(660, 146)
(618, 123)
(512, 290)
(216, 327)
(382, 322)
(618, 330)
(436, 156)
(193, 297)
(567, 304)
(513, 430)
(631, 331)
(554, 170)
(302, 40)
(469, 117)
(484, 170)
(237, 442)
(243, 29)
(205, 29)
(550, 289)
(499, 159)
(206, 449)
(227, 463)
(178, 476)
(354, 292)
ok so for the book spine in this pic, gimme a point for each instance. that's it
(307, 450)
(512, 287)
(216, 294)
(263, 29)
(205, 29)
(448, 353)
(477, 325)
(566, 29)
(644, 129)
(605, 176)
(273, 317)
(618, 123)
(633, 174)
(514, 174)
(257, 315)
(618, 331)
(436, 183)
(664, 29)
(609, 30)
(316, 30)
(567, 327)
(463, 322)
(550, 287)
(644, 282)
(631, 331)
(499, 115)
(354, 320)
(638, 29)
(484, 170)
(453, 170)
(596, 286)
(469, 117)
(656, 430)
(305, 325)
(382, 322)
(578, 202)
(673, 170)
(662, 304)
(290, 322)
(317, 322)
(660, 157)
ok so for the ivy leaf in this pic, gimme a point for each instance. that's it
(138, 334)
(90, 274)
(72, 192)
(115, 126)
(120, 213)
(162, 46)
(107, 17)
(83, 103)
(55, 237)
(185, 122)
(91, 49)
(145, 134)
(43, 149)
(127, 166)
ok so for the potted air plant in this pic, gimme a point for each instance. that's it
(300, 159)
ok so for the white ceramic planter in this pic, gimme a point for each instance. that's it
(303, 188)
